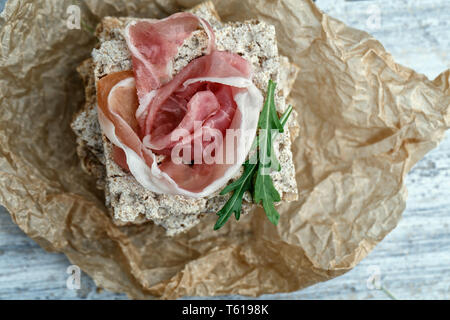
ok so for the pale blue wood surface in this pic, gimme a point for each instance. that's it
(414, 260)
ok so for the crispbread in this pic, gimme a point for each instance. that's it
(130, 202)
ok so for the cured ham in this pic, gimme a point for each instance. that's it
(146, 112)
(154, 43)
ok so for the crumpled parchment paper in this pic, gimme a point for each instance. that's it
(365, 121)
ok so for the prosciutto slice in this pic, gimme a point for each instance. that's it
(146, 112)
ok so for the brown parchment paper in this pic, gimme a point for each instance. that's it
(365, 121)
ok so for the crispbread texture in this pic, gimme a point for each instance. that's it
(130, 202)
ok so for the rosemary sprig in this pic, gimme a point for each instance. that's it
(255, 177)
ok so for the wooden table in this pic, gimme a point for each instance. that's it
(413, 261)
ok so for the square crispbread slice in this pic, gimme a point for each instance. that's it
(130, 202)
(87, 129)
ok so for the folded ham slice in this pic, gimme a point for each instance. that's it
(146, 112)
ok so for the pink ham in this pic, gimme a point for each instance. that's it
(154, 43)
(141, 112)
(170, 101)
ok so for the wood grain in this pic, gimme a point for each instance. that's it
(413, 260)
